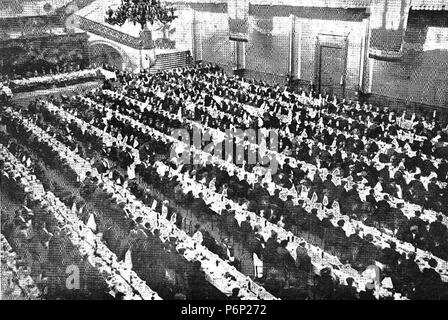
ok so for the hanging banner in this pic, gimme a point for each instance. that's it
(238, 11)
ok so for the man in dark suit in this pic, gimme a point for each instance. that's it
(408, 270)
(370, 198)
(437, 230)
(429, 286)
(390, 256)
(246, 229)
(235, 294)
(285, 262)
(348, 292)
(367, 295)
(270, 252)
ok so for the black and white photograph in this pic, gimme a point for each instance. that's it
(224, 156)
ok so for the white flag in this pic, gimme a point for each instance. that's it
(197, 237)
(304, 192)
(335, 207)
(173, 218)
(91, 224)
(128, 259)
(325, 200)
(336, 172)
(131, 171)
(154, 205)
(314, 197)
(164, 211)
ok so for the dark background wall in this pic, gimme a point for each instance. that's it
(268, 48)
(29, 54)
(419, 77)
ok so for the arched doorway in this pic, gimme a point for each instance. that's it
(101, 53)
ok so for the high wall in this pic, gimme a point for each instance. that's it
(211, 33)
(284, 39)
(289, 38)
(269, 47)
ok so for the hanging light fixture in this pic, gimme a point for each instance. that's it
(143, 12)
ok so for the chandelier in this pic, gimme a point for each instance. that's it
(141, 12)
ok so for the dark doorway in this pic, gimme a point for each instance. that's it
(332, 70)
(331, 64)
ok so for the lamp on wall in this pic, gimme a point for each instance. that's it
(143, 12)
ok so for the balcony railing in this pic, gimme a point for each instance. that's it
(121, 37)
(108, 32)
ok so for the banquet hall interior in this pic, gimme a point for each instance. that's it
(224, 149)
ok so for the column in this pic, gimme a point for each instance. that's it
(291, 66)
(147, 50)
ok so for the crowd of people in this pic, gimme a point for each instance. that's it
(44, 71)
(415, 172)
(366, 186)
(152, 178)
(166, 185)
(46, 233)
(66, 74)
(159, 260)
(431, 235)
